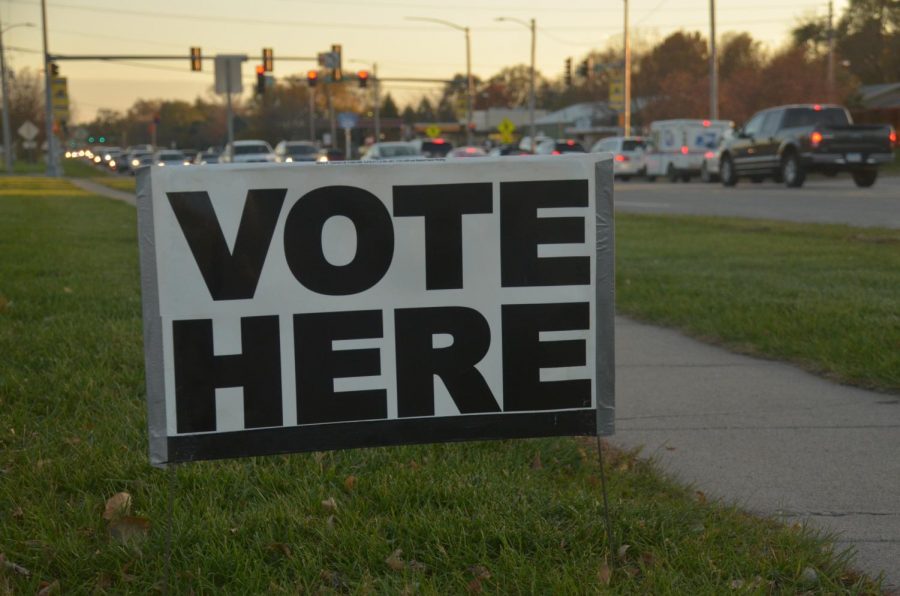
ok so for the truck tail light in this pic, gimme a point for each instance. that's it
(892, 137)
(815, 138)
(709, 155)
(620, 157)
(684, 149)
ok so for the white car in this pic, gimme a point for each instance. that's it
(628, 155)
(248, 151)
(395, 151)
(291, 151)
(170, 157)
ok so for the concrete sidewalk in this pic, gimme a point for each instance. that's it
(103, 191)
(767, 436)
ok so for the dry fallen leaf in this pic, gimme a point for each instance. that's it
(280, 547)
(350, 482)
(18, 513)
(394, 561)
(480, 572)
(14, 567)
(623, 550)
(117, 505)
(701, 497)
(536, 462)
(330, 504)
(416, 565)
(736, 584)
(605, 574)
(47, 588)
(129, 528)
(474, 586)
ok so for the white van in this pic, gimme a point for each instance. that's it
(677, 147)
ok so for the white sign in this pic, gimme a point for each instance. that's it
(28, 130)
(310, 307)
(228, 73)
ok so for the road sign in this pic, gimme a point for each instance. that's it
(255, 350)
(506, 129)
(433, 132)
(28, 130)
(329, 59)
(59, 98)
(228, 73)
(347, 120)
(617, 94)
(29, 144)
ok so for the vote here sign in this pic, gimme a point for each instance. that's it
(310, 307)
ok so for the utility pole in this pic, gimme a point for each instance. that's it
(7, 137)
(531, 94)
(470, 88)
(312, 114)
(627, 123)
(713, 65)
(52, 169)
(334, 141)
(830, 74)
(377, 90)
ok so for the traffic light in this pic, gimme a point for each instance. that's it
(268, 60)
(260, 80)
(312, 77)
(568, 72)
(196, 59)
(54, 69)
(363, 77)
(337, 75)
(585, 68)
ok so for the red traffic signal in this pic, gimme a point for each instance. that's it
(312, 77)
(260, 79)
(363, 77)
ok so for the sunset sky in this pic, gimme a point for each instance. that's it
(369, 30)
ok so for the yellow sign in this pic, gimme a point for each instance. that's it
(617, 95)
(59, 98)
(433, 132)
(506, 128)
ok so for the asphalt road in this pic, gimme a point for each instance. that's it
(822, 200)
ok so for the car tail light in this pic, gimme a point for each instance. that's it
(817, 108)
(570, 143)
(709, 155)
(470, 149)
(684, 149)
(706, 123)
(438, 141)
(555, 152)
(621, 157)
(815, 138)
(892, 137)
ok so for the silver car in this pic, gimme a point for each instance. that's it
(628, 155)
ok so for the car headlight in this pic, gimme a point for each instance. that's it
(161, 163)
(97, 159)
(288, 159)
(322, 158)
(112, 163)
(135, 163)
(187, 163)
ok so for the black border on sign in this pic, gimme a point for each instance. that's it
(381, 433)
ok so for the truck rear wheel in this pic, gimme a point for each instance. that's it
(791, 171)
(672, 173)
(865, 178)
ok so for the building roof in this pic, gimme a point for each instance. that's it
(588, 112)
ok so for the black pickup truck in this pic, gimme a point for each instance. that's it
(787, 142)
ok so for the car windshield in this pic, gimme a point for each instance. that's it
(797, 117)
(171, 157)
(397, 150)
(250, 149)
(301, 150)
(632, 145)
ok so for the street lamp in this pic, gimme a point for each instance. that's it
(469, 85)
(530, 25)
(7, 140)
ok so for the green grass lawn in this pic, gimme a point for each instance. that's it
(499, 517)
(117, 182)
(823, 297)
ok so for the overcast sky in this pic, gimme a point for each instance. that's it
(369, 30)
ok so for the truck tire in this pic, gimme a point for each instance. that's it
(672, 173)
(704, 173)
(792, 171)
(865, 178)
(726, 171)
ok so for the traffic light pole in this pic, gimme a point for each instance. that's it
(377, 92)
(627, 122)
(312, 114)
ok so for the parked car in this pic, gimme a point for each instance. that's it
(709, 169)
(248, 151)
(559, 146)
(676, 148)
(394, 150)
(170, 157)
(787, 142)
(438, 147)
(330, 154)
(206, 157)
(137, 159)
(505, 150)
(290, 151)
(628, 155)
(465, 152)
